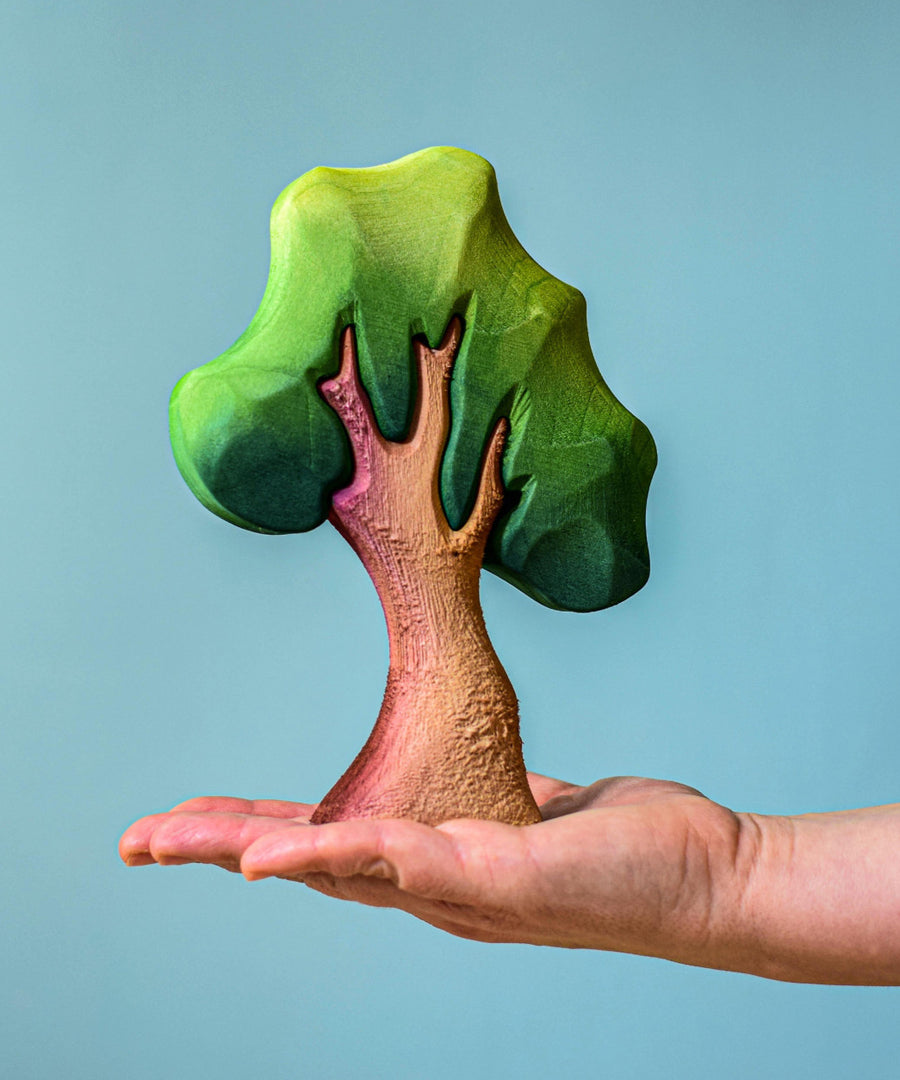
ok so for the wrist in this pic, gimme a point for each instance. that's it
(815, 898)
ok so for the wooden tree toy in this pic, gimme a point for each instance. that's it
(466, 425)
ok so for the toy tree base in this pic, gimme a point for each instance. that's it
(403, 772)
(446, 744)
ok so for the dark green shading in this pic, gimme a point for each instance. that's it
(396, 250)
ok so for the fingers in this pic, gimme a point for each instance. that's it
(557, 799)
(465, 921)
(416, 858)
(208, 837)
(545, 787)
(408, 855)
(134, 846)
(136, 858)
(263, 807)
(445, 886)
(465, 877)
(632, 790)
(145, 836)
(373, 892)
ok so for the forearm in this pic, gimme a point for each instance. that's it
(816, 898)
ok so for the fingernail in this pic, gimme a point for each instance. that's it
(139, 858)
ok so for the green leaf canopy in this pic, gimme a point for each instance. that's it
(397, 250)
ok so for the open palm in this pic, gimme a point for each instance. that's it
(625, 863)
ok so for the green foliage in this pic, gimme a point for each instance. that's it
(396, 250)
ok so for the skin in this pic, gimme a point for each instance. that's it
(625, 864)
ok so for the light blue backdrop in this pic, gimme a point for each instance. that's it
(721, 181)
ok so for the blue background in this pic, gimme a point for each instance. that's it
(721, 181)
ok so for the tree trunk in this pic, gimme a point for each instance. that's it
(446, 743)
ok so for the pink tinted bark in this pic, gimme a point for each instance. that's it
(446, 743)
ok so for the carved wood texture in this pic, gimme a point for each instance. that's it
(446, 743)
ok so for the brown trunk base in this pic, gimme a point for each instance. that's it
(446, 743)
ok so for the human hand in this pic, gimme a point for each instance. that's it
(627, 864)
